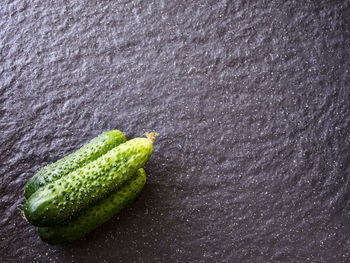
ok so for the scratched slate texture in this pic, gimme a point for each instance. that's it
(252, 103)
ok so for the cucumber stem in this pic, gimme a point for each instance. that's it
(19, 207)
(151, 136)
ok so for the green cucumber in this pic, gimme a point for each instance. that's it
(89, 152)
(95, 216)
(62, 199)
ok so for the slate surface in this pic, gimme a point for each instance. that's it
(252, 103)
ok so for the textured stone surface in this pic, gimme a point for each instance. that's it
(252, 101)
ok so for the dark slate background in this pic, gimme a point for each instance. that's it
(252, 103)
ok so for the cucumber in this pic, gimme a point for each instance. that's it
(95, 216)
(89, 152)
(60, 200)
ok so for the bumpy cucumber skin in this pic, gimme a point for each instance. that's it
(89, 152)
(95, 216)
(59, 201)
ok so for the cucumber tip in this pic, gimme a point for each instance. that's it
(151, 136)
